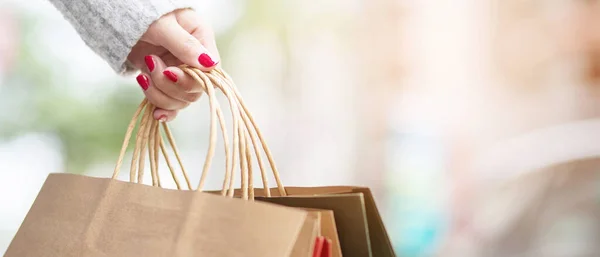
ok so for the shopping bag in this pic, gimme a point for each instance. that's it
(81, 216)
(359, 225)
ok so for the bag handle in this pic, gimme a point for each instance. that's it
(246, 136)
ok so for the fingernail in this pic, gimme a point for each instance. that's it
(149, 62)
(162, 118)
(206, 61)
(170, 75)
(143, 81)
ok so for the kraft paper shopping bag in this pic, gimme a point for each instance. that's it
(359, 225)
(327, 198)
(80, 216)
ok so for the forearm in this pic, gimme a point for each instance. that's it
(112, 28)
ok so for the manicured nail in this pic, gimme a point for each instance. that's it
(162, 118)
(170, 75)
(149, 62)
(143, 81)
(206, 61)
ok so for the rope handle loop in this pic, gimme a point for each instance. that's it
(245, 133)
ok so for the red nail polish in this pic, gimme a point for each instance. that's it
(170, 75)
(143, 81)
(149, 62)
(206, 61)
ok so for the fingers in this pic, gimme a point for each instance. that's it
(179, 37)
(172, 81)
(184, 45)
(168, 88)
(157, 97)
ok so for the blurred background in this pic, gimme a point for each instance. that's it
(430, 103)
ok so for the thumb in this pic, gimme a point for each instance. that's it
(186, 47)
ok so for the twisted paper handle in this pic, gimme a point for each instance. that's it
(245, 133)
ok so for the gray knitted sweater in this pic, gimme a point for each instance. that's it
(112, 27)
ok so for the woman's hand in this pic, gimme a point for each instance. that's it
(180, 37)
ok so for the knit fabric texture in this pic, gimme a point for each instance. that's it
(112, 28)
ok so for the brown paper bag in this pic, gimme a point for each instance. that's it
(359, 225)
(378, 241)
(81, 216)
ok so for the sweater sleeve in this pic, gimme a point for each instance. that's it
(112, 28)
